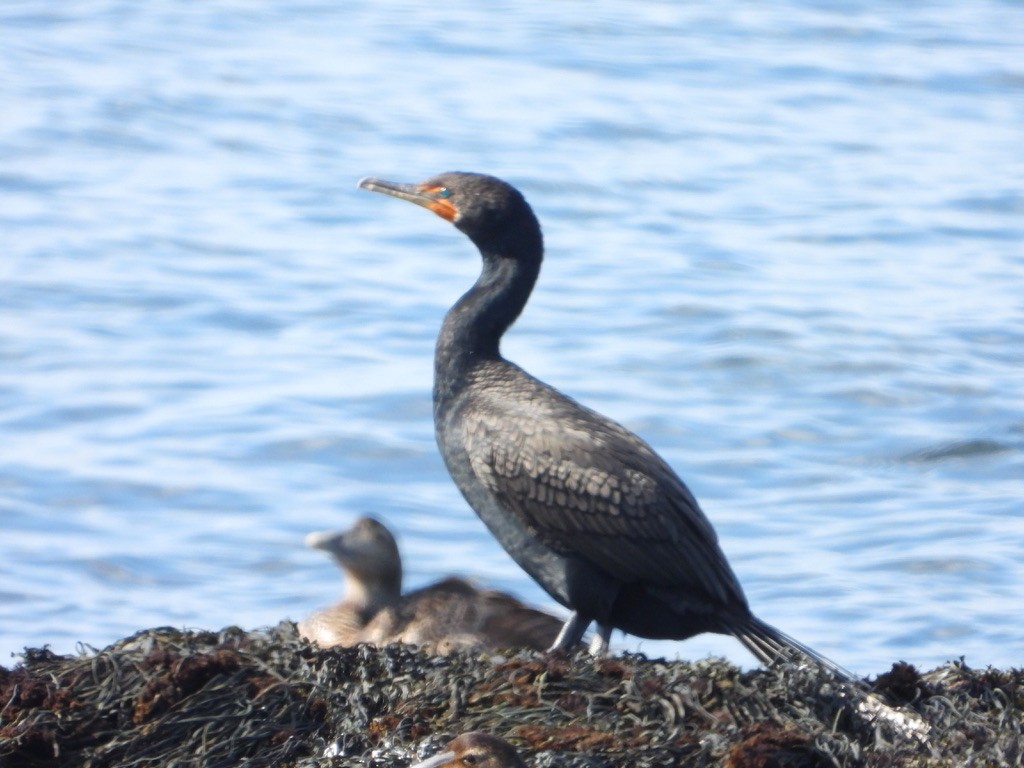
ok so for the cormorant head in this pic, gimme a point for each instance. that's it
(491, 212)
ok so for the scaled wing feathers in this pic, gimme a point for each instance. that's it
(588, 486)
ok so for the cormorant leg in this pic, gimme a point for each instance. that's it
(571, 632)
(599, 642)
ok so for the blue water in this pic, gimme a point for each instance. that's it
(785, 245)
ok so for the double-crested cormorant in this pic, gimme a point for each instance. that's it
(451, 614)
(583, 505)
(475, 749)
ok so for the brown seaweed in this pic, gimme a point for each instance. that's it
(234, 698)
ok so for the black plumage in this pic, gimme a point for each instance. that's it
(582, 504)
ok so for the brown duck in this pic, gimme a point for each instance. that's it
(448, 615)
(476, 750)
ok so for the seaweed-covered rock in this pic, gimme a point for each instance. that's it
(232, 698)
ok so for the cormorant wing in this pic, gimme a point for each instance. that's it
(587, 486)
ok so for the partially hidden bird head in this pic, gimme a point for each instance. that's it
(475, 749)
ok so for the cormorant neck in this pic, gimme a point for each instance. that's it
(472, 329)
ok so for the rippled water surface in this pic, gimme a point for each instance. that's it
(785, 245)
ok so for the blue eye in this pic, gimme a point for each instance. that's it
(444, 193)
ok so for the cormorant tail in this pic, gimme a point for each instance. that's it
(773, 647)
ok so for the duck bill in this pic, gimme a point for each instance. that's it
(436, 761)
(320, 539)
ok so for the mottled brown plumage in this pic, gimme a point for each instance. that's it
(475, 749)
(448, 615)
